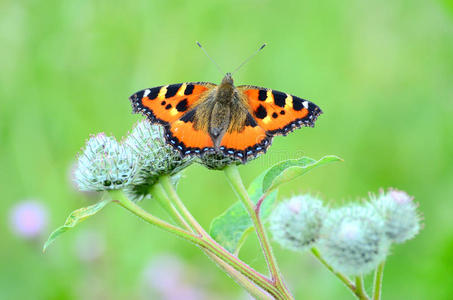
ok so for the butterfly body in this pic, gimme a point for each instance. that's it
(239, 122)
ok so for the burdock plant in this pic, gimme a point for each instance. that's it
(349, 241)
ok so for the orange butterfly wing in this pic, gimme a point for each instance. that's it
(271, 113)
(165, 104)
(182, 135)
(279, 113)
(173, 106)
(247, 142)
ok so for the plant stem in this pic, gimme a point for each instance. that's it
(176, 201)
(356, 288)
(340, 276)
(236, 183)
(253, 289)
(121, 199)
(158, 193)
(224, 255)
(378, 275)
(360, 288)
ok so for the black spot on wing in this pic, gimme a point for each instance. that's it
(307, 121)
(274, 115)
(163, 103)
(172, 90)
(262, 95)
(313, 107)
(139, 95)
(138, 107)
(260, 112)
(137, 98)
(188, 117)
(250, 121)
(189, 89)
(154, 92)
(182, 105)
(168, 106)
(297, 103)
(279, 98)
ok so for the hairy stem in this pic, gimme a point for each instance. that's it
(360, 288)
(159, 193)
(236, 183)
(246, 283)
(166, 183)
(356, 288)
(204, 243)
(340, 276)
(378, 276)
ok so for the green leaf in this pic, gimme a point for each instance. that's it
(290, 169)
(74, 218)
(231, 228)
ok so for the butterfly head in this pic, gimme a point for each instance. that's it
(225, 90)
(228, 79)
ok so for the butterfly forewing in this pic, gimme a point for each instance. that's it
(173, 106)
(165, 104)
(277, 112)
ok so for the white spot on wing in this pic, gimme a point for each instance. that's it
(305, 104)
(146, 93)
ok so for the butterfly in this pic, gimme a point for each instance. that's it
(240, 122)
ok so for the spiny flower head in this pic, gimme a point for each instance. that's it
(353, 239)
(105, 165)
(154, 155)
(399, 211)
(296, 222)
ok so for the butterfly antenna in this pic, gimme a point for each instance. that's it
(199, 45)
(249, 58)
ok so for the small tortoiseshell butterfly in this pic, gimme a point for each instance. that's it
(238, 121)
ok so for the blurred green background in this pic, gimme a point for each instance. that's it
(382, 72)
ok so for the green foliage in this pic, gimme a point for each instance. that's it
(75, 218)
(231, 228)
(288, 170)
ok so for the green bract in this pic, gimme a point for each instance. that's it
(217, 161)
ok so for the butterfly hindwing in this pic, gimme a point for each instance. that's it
(277, 112)
(165, 104)
(188, 140)
(246, 142)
